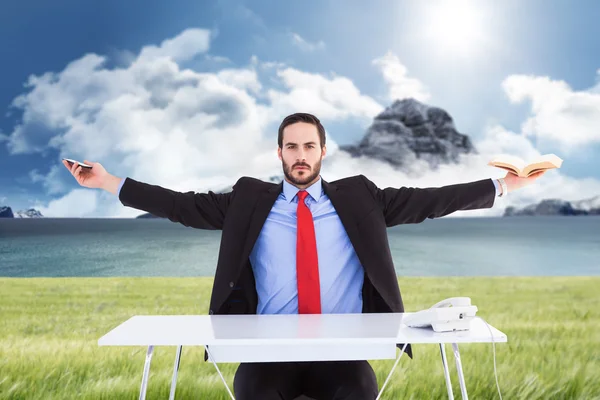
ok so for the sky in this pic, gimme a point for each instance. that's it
(188, 95)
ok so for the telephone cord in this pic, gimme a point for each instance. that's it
(494, 352)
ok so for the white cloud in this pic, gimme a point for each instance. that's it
(400, 84)
(55, 181)
(35, 176)
(335, 98)
(498, 141)
(266, 65)
(565, 117)
(238, 11)
(241, 79)
(185, 46)
(158, 123)
(273, 64)
(78, 203)
(185, 130)
(217, 59)
(596, 89)
(305, 45)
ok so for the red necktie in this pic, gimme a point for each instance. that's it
(307, 264)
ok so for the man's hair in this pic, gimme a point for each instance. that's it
(301, 117)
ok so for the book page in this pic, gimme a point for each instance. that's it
(547, 161)
(508, 168)
(550, 158)
(514, 163)
(519, 167)
(540, 166)
(533, 171)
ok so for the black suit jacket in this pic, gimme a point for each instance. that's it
(364, 209)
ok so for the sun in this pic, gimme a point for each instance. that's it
(455, 27)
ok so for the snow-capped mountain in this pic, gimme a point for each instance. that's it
(30, 213)
(6, 212)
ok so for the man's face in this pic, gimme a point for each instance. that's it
(301, 154)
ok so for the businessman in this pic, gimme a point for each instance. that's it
(303, 246)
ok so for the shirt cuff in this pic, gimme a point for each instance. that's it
(123, 181)
(497, 186)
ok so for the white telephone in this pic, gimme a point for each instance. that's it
(453, 314)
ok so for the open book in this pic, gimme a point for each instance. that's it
(521, 168)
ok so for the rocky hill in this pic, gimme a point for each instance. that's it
(409, 130)
(557, 207)
(6, 212)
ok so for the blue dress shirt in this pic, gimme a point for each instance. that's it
(273, 257)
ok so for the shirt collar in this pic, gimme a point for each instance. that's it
(314, 190)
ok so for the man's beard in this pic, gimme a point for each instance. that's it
(306, 178)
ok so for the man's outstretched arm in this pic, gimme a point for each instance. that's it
(197, 210)
(409, 205)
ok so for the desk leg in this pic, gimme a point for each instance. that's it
(146, 372)
(219, 371)
(446, 372)
(175, 369)
(461, 377)
(390, 374)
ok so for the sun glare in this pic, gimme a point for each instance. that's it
(457, 27)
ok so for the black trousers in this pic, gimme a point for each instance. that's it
(323, 380)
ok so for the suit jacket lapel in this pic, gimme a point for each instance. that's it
(342, 207)
(262, 208)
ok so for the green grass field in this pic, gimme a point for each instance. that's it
(49, 330)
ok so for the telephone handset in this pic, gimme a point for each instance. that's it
(451, 314)
(453, 302)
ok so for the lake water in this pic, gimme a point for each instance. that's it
(520, 246)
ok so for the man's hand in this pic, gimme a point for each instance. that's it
(514, 182)
(95, 178)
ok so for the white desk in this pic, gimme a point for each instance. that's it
(277, 338)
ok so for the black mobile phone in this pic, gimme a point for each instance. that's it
(71, 162)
